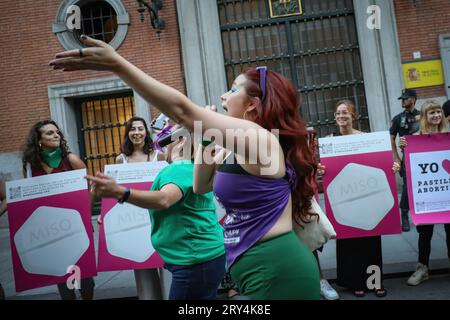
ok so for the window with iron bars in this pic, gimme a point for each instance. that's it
(98, 21)
(318, 50)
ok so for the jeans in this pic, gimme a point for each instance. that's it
(199, 281)
(425, 235)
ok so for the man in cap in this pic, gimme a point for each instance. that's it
(405, 123)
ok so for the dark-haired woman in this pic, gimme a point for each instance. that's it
(271, 183)
(137, 143)
(46, 152)
(137, 146)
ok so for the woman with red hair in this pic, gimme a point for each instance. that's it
(270, 184)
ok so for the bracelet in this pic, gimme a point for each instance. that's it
(125, 196)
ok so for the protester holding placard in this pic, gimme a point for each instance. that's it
(354, 255)
(432, 120)
(265, 257)
(137, 143)
(185, 229)
(46, 152)
(137, 146)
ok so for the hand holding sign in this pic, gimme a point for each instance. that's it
(124, 239)
(49, 220)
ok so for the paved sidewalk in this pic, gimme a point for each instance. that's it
(399, 256)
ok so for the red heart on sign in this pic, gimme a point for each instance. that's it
(446, 165)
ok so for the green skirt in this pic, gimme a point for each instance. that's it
(280, 268)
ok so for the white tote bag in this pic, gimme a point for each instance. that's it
(315, 233)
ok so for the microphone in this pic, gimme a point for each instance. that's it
(181, 132)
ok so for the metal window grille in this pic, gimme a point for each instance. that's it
(101, 122)
(99, 20)
(317, 50)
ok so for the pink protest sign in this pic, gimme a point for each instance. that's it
(427, 164)
(50, 229)
(125, 234)
(359, 185)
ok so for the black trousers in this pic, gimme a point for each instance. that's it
(404, 204)
(425, 235)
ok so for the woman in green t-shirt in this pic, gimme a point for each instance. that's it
(185, 229)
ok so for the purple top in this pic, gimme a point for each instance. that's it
(253, 205)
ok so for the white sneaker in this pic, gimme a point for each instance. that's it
(419, 276)
(327, 291)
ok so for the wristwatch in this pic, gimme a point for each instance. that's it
(125, 196)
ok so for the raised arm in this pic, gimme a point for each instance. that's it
(101, 56)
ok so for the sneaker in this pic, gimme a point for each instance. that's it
(327, 291)
(405, 223)
(419, 276)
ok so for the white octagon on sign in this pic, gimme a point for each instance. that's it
(360, 196)
(51, 240)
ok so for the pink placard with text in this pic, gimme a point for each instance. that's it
(427, 164)
(50, 229)
(125, 232)
(359, 185)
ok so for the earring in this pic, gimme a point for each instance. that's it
(40, 145)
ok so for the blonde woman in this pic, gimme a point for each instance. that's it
(46, 152)
(432, 120)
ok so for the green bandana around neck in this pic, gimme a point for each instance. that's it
(52, 158)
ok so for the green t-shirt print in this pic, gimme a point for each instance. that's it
(188, 232)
